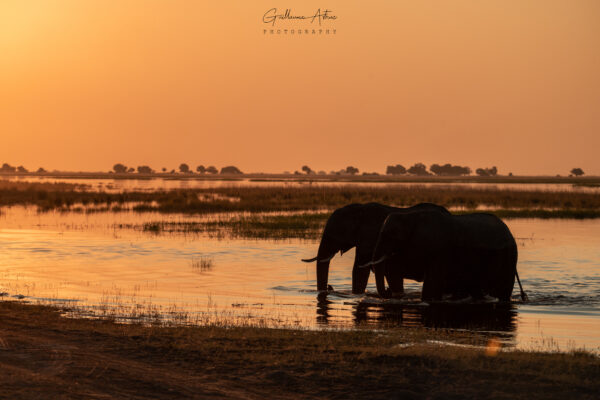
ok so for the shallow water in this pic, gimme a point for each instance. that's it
(119, 185)
(88, 263)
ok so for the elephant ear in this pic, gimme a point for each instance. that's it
(352, 218)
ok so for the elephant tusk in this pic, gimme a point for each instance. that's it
(367, 265)
(307, 260)
(382, 259)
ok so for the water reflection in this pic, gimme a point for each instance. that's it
(482, 317)
(53, 257)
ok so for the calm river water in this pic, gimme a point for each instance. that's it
(89, 263)
(119, 185)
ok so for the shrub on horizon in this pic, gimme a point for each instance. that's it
(230, 169)
(449, 170)
(184, 168)
(577, 171)
(395, 170)
(120, 168)
(418, 169)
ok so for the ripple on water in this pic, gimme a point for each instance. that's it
(144, 269)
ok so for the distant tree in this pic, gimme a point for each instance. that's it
(370, 174)
(418, 169)
(172, 171)
(212, 170)
(510, 174)
(130, 170)
(351, 170)
(41, 170)
(200, 169)
(395, 170)
(487, 171)
(577, 171)
(164, 169)
(22, 169)
(322, 173)
(449, 170)
(297, 173)
(144, 169)
(119, 168)
(7, 168)
(307, 169)
(184, 168)
(230, 170)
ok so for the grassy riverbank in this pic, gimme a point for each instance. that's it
(66, 197)
(44, 355)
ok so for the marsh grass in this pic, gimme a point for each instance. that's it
(61, 196)
(302, 226)
(307, 225)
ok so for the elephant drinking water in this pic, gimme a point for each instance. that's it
(471, 255)
(357, 225)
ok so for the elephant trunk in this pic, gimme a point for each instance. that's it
(322, 275)
(324, 256)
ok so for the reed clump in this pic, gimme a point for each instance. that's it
(253, 226)
(202, 263)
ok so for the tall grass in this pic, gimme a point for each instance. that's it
(261, 199)
(303, 226)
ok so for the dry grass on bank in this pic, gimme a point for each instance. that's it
(43, 355)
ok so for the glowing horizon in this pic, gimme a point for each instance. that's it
(89, 84)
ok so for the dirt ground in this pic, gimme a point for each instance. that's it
(46, 356)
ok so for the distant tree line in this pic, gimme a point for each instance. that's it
(349, 170)
(184, 168)
(487, 171)
(7, 168)
(417, 169)
(420, 169)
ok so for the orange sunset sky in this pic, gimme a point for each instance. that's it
(88, 83)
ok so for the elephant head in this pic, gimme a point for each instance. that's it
(356, 225)
(341, 233)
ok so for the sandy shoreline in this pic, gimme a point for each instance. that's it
(44, 355)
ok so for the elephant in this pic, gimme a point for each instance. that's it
(357, 225)
(456, 255)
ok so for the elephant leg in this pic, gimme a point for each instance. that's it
(395, 279)
(360, 278)
(397, 287)
(433, 287)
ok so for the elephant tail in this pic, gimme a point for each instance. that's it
(523, 294)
